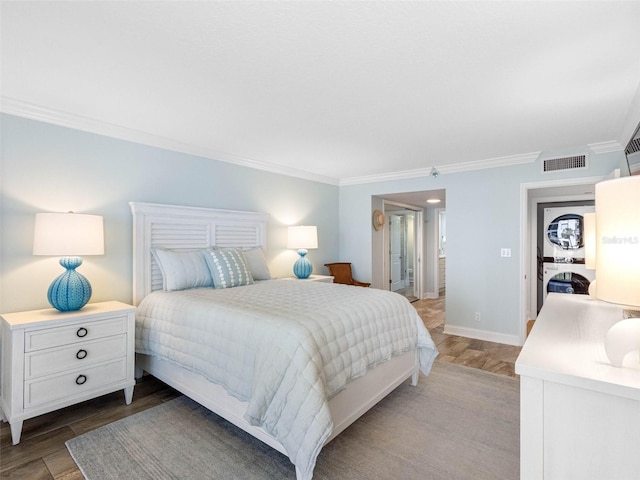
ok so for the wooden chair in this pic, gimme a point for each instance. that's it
(341, 272)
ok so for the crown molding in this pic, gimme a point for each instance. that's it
(19, 108)
(444, 169)
(606, 147)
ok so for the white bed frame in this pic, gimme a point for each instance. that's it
(179, 227)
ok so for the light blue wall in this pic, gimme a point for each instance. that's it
(50, 168)
(483, 216)
(46, 168)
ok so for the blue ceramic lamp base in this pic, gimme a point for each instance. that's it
(302, 268)
(71, 290)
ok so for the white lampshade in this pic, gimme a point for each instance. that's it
(618, 240)
(68, 234)
(302, 236)
(590, 240)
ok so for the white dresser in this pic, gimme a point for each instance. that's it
(53, 359)
(580, 416)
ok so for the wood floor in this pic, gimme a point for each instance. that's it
(489, 356)
(41, 454)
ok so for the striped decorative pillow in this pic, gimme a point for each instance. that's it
(228, 268)
(183, 269)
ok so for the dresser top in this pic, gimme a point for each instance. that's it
(35, 317)
(566, 346)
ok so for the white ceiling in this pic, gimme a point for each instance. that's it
(335, 91)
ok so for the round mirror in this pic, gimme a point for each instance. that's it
(566, 232)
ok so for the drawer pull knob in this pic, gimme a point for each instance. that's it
(81, 354)
(81, 379)
(82, 332)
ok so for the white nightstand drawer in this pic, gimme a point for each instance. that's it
(53, 360)
(74, 333)
(77, 382)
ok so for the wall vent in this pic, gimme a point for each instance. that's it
(564, 163)
(633, 147)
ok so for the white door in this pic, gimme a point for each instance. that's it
(396, 228)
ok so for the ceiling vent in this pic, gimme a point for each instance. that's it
(564, 163)
(633, 147)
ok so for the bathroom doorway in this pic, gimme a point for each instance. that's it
(402, 253)
(421, 272)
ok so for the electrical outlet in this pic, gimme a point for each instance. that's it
(477, 316)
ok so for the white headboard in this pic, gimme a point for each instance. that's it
(186, 228)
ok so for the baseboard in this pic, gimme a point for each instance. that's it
(431, 295)
(482, 335)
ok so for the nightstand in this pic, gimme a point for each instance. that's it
(313, 278)
(53, 359)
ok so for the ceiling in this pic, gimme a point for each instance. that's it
(340, 92)
(418, 199)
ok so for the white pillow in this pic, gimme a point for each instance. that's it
(228, 268)
(257, 263)
(182, 270)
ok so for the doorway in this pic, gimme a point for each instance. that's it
(423, 206)
(402, 253)
(531, 195)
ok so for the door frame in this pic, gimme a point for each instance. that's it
(528, 228)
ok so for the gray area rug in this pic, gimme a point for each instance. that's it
(458, 423)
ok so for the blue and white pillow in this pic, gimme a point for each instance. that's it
(182, 270)
(228, 268)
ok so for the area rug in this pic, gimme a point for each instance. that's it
(458, 423)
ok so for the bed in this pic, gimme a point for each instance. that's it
(292, 363)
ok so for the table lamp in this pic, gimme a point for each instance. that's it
(302, 237)
(618, 261)
(68, 235)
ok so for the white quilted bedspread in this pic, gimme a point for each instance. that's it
(284, 346)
